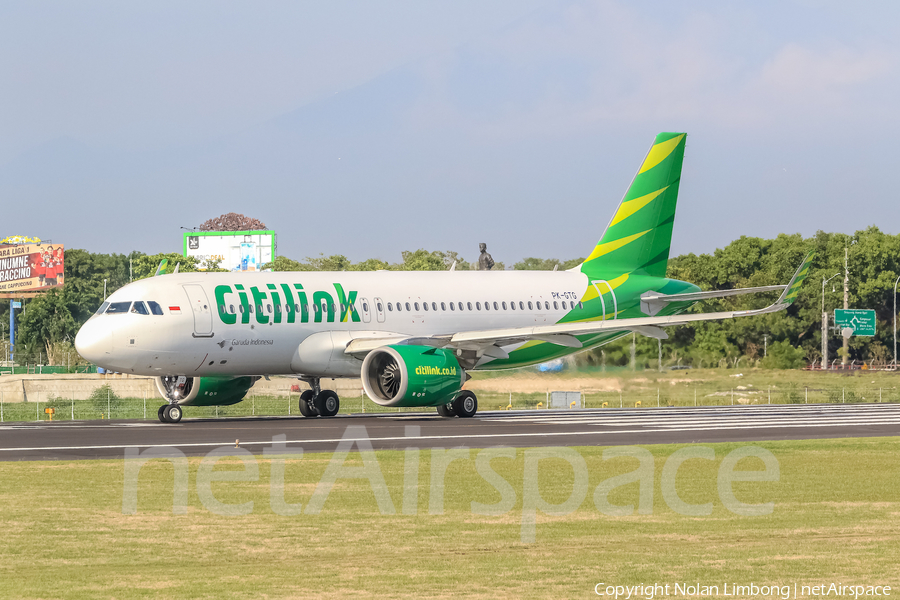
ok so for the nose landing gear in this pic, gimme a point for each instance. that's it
(170, 413)
(318, 402)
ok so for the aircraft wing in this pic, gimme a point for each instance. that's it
(489, 341)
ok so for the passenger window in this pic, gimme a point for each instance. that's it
(504, 306)
(241, 308)
(433, 306)
(380, 307)
(512, 305)
(332, 308)
(118, 308)
(529, 305)
(315, 308)
(390, 307)
(102, 308)
(407, 306)
(521, 305)
(546, 305)
(278, 308)
(487, 306)
(451, 306)
(469, 305)
(580, 304)
(444, 306)
(140, 309)
(269, 308)
(343, 308)
(496, 307)
(366, 307)
(478, 305)
(555, 305)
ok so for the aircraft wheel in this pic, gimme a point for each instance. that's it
(327, 403)
(465, 405)
(161, 415)
(306, 407)
(173, 413)
(446, 410)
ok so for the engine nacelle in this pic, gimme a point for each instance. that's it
(204, 391)
(402, 375)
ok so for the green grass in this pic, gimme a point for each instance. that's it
(620, 387)
(64, 534)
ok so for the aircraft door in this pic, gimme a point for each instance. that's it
(365, 310)
(200, 309)
(379, 310)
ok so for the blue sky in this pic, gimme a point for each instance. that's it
(371, 128)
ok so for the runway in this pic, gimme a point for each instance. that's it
(70, 440)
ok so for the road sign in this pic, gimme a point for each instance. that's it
(16, 304)
(860, 321)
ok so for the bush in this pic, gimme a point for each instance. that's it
(104, 400)
(783, 356)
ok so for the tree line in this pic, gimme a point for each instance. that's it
(47, 324)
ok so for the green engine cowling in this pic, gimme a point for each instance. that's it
(204, 391)
(400, 375)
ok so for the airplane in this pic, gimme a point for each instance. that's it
(412, 336)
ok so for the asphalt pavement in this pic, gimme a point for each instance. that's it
(72, 440)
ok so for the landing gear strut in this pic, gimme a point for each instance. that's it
(170, 413)
(318, 402)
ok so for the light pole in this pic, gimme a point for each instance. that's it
(895, 321)
(825, 322)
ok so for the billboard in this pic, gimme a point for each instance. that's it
(232, 250)
(28, 269)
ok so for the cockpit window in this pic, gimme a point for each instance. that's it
(139, 308)
(102, 308)
(155, 308)
(118, 307)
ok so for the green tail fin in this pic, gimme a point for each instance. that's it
(640, 234)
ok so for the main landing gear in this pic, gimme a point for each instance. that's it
(318, 402)
(465, 405)
(170, 413)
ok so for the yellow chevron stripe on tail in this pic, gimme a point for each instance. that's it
(640, 233)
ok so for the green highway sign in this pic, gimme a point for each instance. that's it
(861, 321)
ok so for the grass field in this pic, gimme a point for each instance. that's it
(836, 518)
(526, 389)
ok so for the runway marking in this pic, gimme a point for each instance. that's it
(423, 437)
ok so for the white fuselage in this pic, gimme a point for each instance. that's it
(220, 324)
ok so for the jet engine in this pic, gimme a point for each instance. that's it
(204, 391)
(408, 375)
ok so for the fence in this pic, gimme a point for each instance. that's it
(111, 406)
(47, 369)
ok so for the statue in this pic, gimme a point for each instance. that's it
(485, 261)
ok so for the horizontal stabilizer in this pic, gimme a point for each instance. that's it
(695, 296)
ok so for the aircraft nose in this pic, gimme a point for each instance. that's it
(94, 341)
